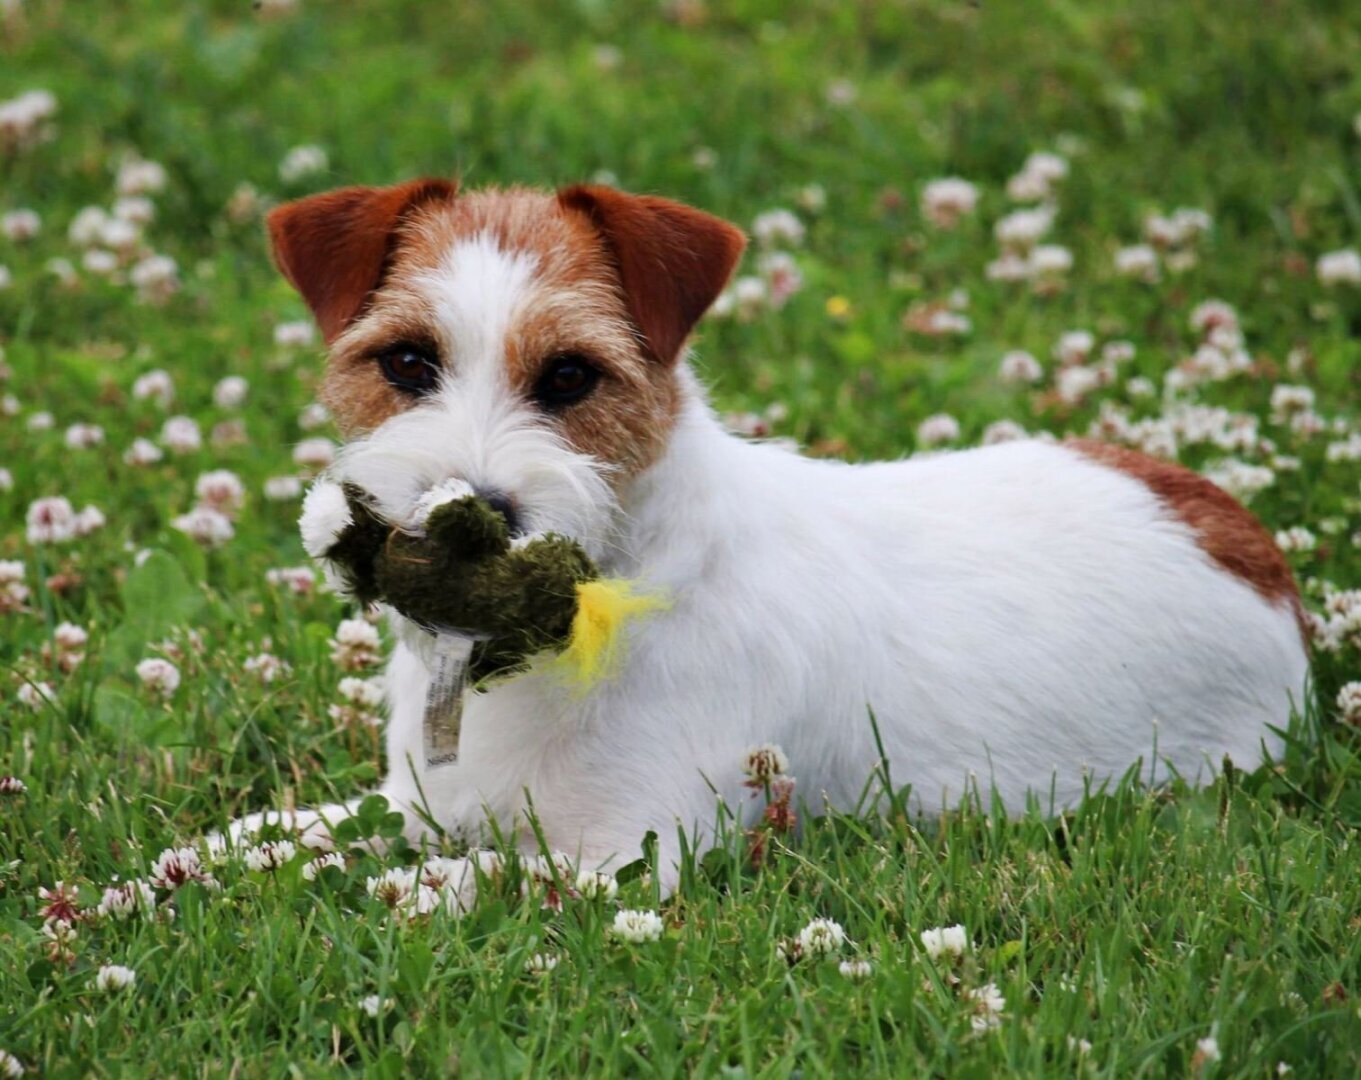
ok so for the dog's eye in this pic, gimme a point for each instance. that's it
(409, 369)
(567, 378)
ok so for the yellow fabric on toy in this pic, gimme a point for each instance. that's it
(602, 609)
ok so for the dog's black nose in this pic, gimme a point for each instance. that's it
(501, 503)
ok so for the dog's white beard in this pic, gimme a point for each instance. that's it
(503, 450)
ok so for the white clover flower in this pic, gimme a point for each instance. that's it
(1051, 260)
(1027, 187)
(220, 489)
(178, 866)
(86, 227)
(1340, 268)
(36, 695)
(1139, 261)
(782, 274)
(821, 937)
(314, 453)
(1000, 431)
(156, 278)
(775, 227)
(856, 970)
(268, 856)
(372, 1005)
(938, 429)
(1288, 400)
(282, 488)
(750, 296)
(988, 1004)
(1210, 314)
(142, 452)
(90, 519)
(1348, 449)
(11, 1068)
(119, 236)
(1021, 230)
(114, 977)
(68, 637)
(366, 693)
(159, 675)
(1296, 539)
(942, 321)
(100, 262)
(946, 200)
(356, 644)
(596, 885)
(12, 785)
(394, 886)
(205, 525)
(136, 209)
(1018, 366)
(314, 416)
(301, 162)
(122, 901)
(1349, 704)
(1074, 347)
(763, 763)
(266, 667)
(40, 421)
(20, 225)
(311, 870)
(294, 334)
(181, 435)
(941, 941)
(299, 580)
(139, 177)
(156, 386)
(50, 521)
(1207, 1049)
(230, 393)
(637, 927)
(1240, 479)
(1074, 383)
(1081, 1047)
(541, 963)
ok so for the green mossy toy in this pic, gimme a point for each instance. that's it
(464, 576)
(492, 606)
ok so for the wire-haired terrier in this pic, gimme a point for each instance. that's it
(1031, 616)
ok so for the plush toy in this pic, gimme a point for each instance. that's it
(494, 605)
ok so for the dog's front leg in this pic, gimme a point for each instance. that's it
(312, 827)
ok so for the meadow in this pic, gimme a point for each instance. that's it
(970, 223)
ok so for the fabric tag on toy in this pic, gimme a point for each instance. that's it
(444, 699)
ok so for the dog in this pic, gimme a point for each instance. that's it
(1035, 617)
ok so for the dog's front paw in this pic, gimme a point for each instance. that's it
(311, 827)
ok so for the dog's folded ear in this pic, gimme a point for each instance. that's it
(334, 247)
(672, 260)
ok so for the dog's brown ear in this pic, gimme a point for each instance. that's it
(673, 260)
(334, 247)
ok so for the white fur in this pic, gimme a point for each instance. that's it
(1016, 616)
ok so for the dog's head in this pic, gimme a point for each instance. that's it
(522, 341)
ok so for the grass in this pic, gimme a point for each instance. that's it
(1141, 922)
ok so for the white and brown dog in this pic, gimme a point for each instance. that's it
(1028, 616)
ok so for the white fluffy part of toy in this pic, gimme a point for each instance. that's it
(325, 515)
(447, 491)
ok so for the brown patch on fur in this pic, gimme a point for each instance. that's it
(334, 247)
(1225, 530)
(672, 260)
(578, 302)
